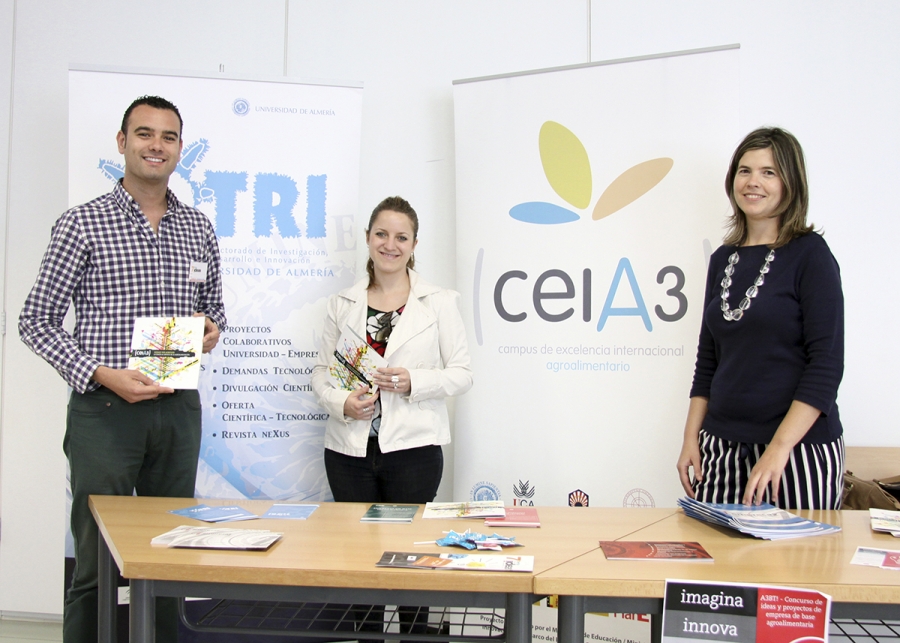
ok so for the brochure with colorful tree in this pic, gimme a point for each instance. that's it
(167, 350)
(354, 363)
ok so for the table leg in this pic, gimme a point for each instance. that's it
(518, 618)
(108, 593)
(143, 612)
(656, 628)
(570, 612)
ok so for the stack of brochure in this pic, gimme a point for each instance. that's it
(762, 521)
(885, 520)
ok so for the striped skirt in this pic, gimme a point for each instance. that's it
(813, 477)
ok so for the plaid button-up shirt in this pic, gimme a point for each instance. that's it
(105, 257)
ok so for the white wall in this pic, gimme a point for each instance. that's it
(826, 70)
(32, 468)
(820, 68)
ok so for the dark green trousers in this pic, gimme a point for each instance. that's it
(117, 448)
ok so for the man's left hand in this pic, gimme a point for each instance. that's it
(210, 333)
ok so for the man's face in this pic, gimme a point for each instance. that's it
(151, 146)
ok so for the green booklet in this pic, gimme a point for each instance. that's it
(390, 513)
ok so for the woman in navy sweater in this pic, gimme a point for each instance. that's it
(763, 424)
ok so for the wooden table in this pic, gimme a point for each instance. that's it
(331, 558)
(591, 583)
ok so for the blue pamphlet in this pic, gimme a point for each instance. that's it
(215, 514)
(290, 512)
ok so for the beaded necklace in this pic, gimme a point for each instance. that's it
(752, 291)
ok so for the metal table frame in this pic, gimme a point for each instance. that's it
(142, 626)
(573, 608)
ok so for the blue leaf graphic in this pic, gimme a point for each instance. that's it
(542, 213)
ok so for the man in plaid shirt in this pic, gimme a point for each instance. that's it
(135, 252)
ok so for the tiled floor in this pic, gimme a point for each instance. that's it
(29, 631)
(842, 631)
(863, 631)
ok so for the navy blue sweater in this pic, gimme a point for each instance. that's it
(788, 346)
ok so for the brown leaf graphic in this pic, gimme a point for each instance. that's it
(632, 184)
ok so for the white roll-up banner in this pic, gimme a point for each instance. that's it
(588, 201)
(275, 166)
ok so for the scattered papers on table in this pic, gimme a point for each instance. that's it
(475, 509)
(885, 520)
(468, 562)
(872, 557)
(389, 513)
(762, 521)
(206, 513)
(290, 511)
(653, 550)
(217, 538)
(473, 540)
(516, 517)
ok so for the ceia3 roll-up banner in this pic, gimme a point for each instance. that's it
(588, 200)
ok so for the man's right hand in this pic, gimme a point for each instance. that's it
(131, 386)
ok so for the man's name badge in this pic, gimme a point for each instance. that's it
(198, 272)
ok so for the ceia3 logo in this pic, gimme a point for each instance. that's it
(568, 170)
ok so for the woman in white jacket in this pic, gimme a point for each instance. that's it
(386, 446)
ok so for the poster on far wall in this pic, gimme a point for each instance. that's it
(274, 164)
(588, 200)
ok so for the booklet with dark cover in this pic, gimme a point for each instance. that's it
(390, 513)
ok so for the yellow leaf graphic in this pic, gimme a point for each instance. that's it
(632, 184)
(566, 164)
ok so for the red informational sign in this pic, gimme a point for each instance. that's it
(731, 612)
(786, 615)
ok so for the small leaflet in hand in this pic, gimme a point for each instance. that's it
(354, 363)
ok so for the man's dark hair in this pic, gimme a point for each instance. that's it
(152, 101)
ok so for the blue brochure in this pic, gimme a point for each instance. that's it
(215, 514)
(290, 512)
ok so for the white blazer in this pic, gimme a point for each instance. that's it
(429, 341)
